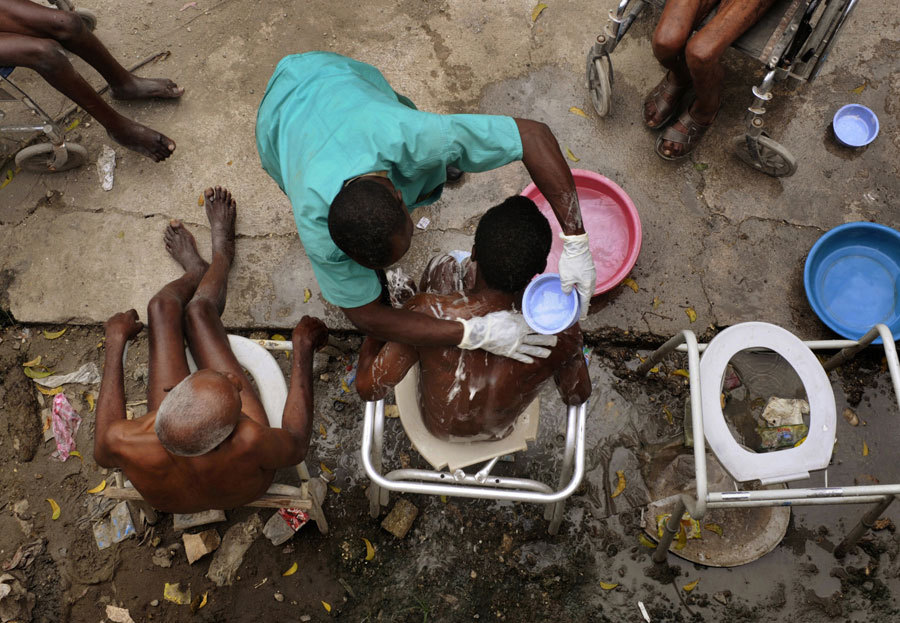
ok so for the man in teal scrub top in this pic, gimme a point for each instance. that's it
(355, 158)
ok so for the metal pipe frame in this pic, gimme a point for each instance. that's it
(49, 126)
(494, 487)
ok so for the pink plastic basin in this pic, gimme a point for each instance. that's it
(612, 224)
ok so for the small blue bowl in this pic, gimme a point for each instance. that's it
(546, 308)
(855, 125)
(852, 279)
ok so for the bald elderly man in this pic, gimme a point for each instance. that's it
(205, 442)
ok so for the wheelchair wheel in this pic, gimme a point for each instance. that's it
(38, 158)
(88, 17)
(774, 158)
(599, 82)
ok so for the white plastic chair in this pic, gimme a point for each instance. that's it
(773, 467)
(481, 484)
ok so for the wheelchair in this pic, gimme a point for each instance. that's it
(56, 155)
(793, 40)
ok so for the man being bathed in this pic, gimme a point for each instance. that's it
(474, 395)
(205, 442)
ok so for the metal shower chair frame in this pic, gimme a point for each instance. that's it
(795, 48)
(57, 155)
(481, 484)
(881, 495)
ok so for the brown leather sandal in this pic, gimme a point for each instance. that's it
(695, 132)
(663, 106)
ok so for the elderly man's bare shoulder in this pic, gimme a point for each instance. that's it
(457, 305)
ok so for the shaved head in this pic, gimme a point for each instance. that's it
(198, 414)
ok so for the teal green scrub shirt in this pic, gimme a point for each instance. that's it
(326, 118)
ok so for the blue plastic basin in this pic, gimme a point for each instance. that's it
(852, 278)
(855, 125)
(546, 309)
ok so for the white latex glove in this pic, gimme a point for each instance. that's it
(576, 268)
(506, 334)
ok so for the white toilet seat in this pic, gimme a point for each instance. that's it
(781, 465)
(264, 369)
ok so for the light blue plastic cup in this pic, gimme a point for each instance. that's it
(855, 125)
(546, 308)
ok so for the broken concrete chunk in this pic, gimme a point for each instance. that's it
(196, 546)
(118, 615)
(16, 603)
(181, 522)
(228, 558)
(400, 519)
(162, 557)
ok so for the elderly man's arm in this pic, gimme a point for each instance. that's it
(111, 404)
(384, 364)
(288, 445)
(572, 379)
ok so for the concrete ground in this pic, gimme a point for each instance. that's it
(718, 237)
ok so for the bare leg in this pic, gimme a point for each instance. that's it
(27, 18)
(703, 54)
(168, 365)
(205, 332)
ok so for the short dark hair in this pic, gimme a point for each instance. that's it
(362, 220)
(511, 244)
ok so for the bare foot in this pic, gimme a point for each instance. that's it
(146, 88)
(181, 245)
(220, 210)
(143, 140)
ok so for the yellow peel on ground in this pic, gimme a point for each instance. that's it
(645, 541)
(278, 337)
(175, 594)
(48, 392)
(858, 90)
(89, 397)
(714, 527)
(200, 201)
(327, 606)
(691, 314)
(34, 362)
(620, 487)
(370, 550)
(322, 431)
(335, 489)
(608, 586)
(98, 488)
(325, 469)
(668, 413)
(307, 294)
(682, 372)
(536, 11)
(54, 507)
(52, 335)
(631, 283)
(203, 601)
(571, 156)
(7, 179)
(865, 449)
(577, 111)
(680, 539)
(291, 570)
(656, 302)
(689, 587)
(77, 454)
(37, 372)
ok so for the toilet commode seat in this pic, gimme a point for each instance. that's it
(781, 465)
(261, 365)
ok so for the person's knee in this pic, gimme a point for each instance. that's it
(65, 26)
(162, 309)
(668, 43)
(199, 311)
(46, 55)
(701, 54)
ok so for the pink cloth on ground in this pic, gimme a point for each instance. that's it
(65, 425)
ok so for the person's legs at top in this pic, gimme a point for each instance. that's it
(678, 20)
(165, 313)
(33, 36)
(205, 332)
(702, 55)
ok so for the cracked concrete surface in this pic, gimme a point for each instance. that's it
(718, 237)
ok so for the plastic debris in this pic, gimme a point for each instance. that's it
(65, 424)
(116, 529)
(577, 111)
(631, 283)
(16, 603)
(775, 437)
(644, 612)
(284, 524)
(620, 487)
(536, 11)
(400, 519)
(196, 546)
(88, 374)
(52, 335)
(370, 550)
(687, 588)
(106, 167)
(54, 508)
(608, 586)
(291, 570)
(691, 314)
(118, 615)
(423, 223)
(175, 594)
(785, 411)
(25, 555)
